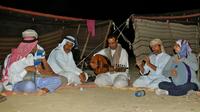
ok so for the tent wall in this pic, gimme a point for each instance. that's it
(51, 39)
(50, 31)
(146, 30)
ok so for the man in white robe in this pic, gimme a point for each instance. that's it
(151, 71)
(62, 62)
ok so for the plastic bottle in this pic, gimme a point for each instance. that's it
(139, 93)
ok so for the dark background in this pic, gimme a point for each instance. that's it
(116, 10)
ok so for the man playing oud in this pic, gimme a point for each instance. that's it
(117, 57)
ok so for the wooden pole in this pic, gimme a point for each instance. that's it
(84, 48)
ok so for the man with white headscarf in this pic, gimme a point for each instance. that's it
(21, 62)
(62, 62)
(151, 71)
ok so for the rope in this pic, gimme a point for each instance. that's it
(123, 36)
(95, 47)
(90, 53)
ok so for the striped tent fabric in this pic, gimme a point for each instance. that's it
(146, 30)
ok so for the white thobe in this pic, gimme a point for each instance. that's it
(63, 64)
(154, 77)
(116, 79)
(16, 71)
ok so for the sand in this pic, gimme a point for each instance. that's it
(95, 99)
(100, 100)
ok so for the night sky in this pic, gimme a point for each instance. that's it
(118, 10)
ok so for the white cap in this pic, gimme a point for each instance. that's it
(30, 33)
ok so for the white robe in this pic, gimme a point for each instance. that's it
(62, 63)
(116, 79)
(16, 71)
(154, 77)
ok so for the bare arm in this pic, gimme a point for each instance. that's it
(147, 60)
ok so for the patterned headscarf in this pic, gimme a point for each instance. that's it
(185, 48)
(24, 48)
(69, 39)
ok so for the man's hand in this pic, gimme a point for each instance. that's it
(147, 60)
(30, 69)
(173, 72)
(140, 64)
(82, 77)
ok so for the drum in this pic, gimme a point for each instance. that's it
(183, 74)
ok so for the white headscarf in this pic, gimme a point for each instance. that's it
(29, 33)
(157, 41)
(66, 39)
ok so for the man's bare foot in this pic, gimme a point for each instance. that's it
(42, 91)
(8, 93)
(198, 93)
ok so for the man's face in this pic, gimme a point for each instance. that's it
(68, 47)
(156, 49)
(112, 43)
(34, 50)
(177, 48)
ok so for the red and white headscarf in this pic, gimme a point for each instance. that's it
(24, 48)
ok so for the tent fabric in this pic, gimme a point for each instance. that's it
(146, 30)
(50, 29)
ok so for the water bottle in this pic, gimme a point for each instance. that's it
(139, 93)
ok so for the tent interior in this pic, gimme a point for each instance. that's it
(51, 30)
(169, 28)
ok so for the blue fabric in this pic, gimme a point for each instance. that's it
(185, 49)
(182, 75)
(178, 90)
(38, 55)
(51, 83)
(188, 72)
(25, 86)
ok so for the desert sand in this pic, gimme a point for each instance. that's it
(100, 100)
(105, 99)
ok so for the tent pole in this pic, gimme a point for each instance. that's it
(78, 29)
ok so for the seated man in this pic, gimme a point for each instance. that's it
(153, 66)
(41, 63)
(181, 69)
(20, 63)
(62, 62)
(118, 57)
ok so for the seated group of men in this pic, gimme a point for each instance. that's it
(26, 69)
